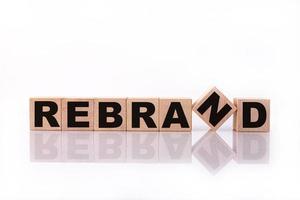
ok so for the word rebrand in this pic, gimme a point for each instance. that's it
(148, 114)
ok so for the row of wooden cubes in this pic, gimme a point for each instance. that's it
(148, 114)
(88, 118)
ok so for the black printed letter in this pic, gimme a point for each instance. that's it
(136, 114)
(72, 114)
(39, 113)
(181, 119)
(215, 115)
(104, 114)
(262, 114)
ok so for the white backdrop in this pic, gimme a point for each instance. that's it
(149, 48)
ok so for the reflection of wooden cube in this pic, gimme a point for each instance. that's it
(252, 115)
(175, 147)
(214, 108)
(77, 114)
(251, 147)
(45, 114)
(142, 114)
(46, 146)
(142, 147)
(213, 152)
(78, 146)
(110, 114)
(175, 115)
(110, 146)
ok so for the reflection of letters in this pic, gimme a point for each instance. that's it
(142, 147)
(77, 146)
(88, 146)
(110, 147)
(213, 152)
(175, 147)
(45, 146)
(251, 147)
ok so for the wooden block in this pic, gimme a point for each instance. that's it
(142, 114)
(252, 115)
(77, 114)
(110, 114)
(45, 114)
(214, 108)
(175, 115)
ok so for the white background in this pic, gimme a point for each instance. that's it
(149, 48)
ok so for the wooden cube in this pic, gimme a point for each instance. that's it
(142, 114)
(214, 108)
(45, 114)
(175, 115)
(252, 115)
(77, 114)
(110, 114)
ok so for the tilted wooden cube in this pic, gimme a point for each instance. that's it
(214, 108)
